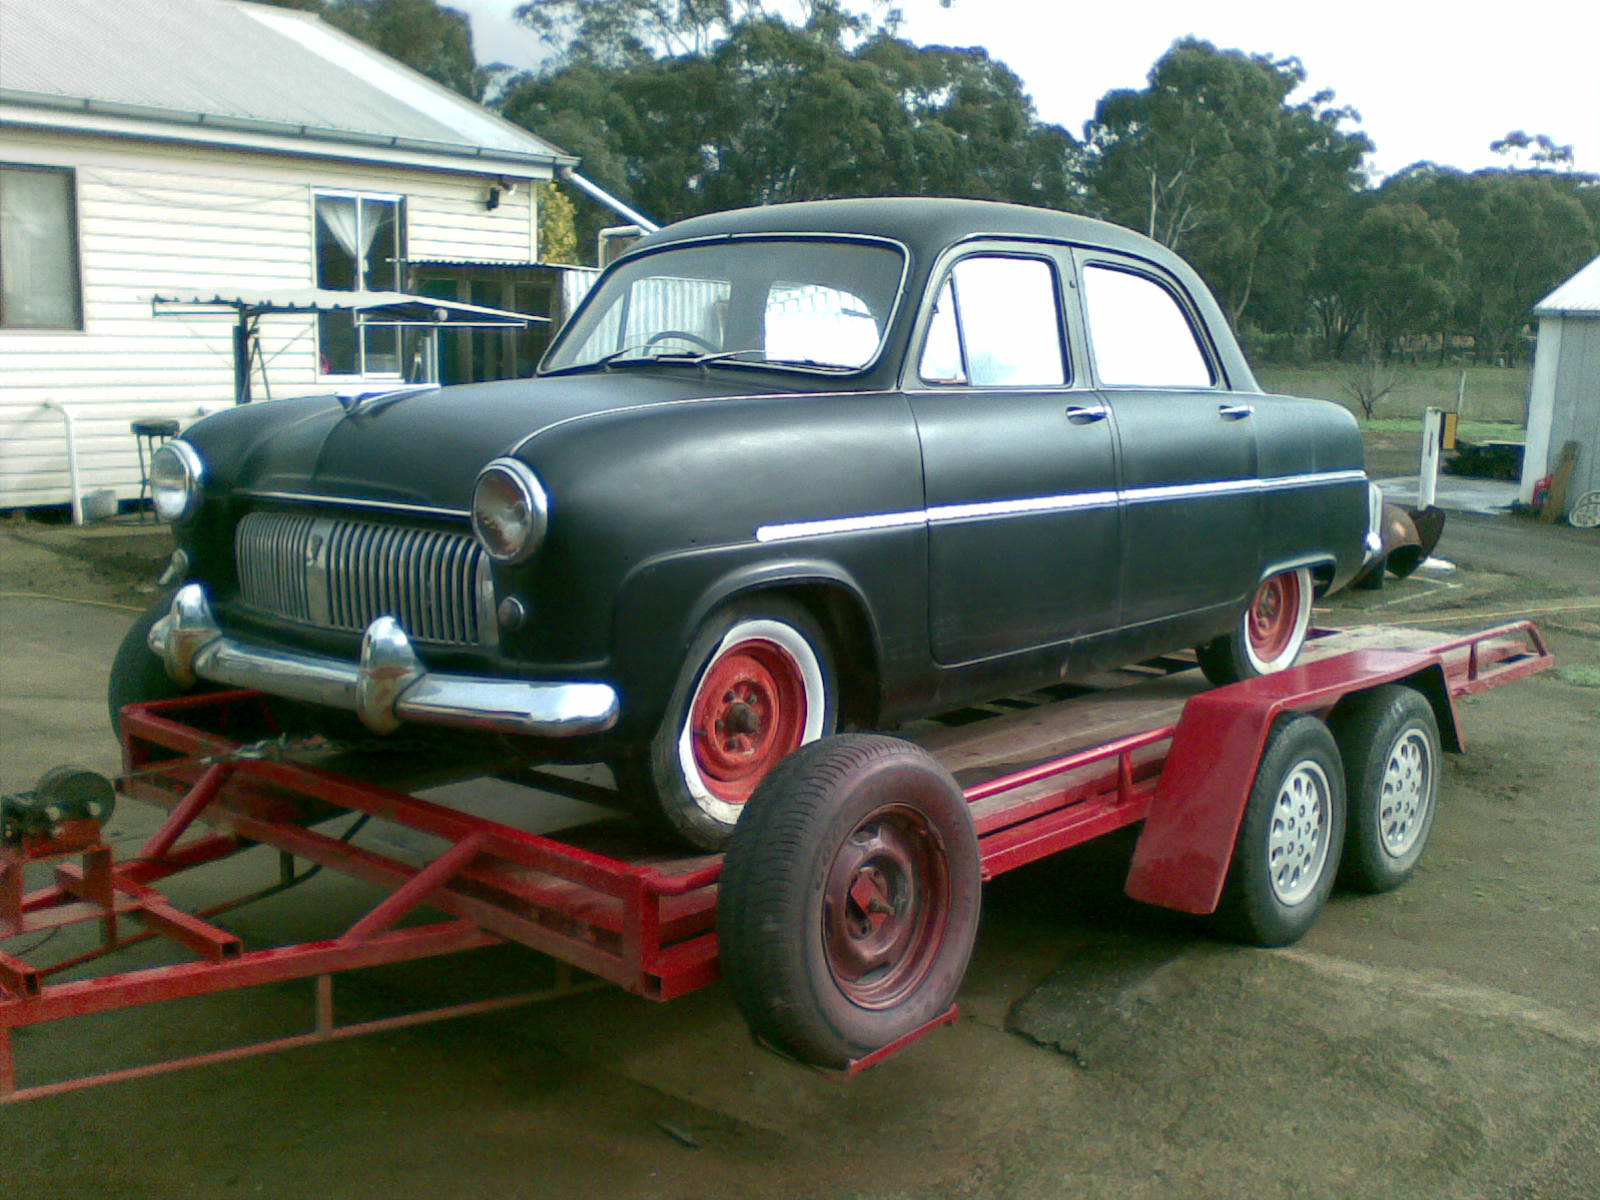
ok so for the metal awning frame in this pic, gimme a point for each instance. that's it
(375, 309)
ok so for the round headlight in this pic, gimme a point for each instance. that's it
(175, 475)
(509, 510)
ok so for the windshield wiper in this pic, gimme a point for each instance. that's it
(766, 360)
(621, 358)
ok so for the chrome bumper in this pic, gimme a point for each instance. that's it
(387, 687)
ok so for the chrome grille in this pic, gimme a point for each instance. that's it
(344, 574)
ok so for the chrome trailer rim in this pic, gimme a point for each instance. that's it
(1302, 824)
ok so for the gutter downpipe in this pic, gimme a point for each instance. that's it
(595, 192)
(69, 425)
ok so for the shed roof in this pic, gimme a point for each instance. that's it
(239, 66)
(1579, 295)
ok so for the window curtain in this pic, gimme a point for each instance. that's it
(339, 215)
(38, 260)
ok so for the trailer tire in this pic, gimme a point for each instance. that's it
(1389, 740)
(848, 902)
(1287, 852)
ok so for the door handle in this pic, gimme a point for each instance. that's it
(1235, 412)
(1080, 414)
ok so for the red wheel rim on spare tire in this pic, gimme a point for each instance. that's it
(885, 906)
(1274, 615)
(749, 713)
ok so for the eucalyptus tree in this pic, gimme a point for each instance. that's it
(1215, 158)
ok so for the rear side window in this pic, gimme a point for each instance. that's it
(996, 323)
(1139, 334)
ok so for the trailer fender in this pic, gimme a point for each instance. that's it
(1186, 846)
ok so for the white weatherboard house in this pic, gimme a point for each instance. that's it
(1564, 403)
(157, 146)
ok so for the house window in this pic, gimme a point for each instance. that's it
(38, 249)
(359, 241)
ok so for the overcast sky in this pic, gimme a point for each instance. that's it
(1430, 80)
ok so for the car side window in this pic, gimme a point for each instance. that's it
(996, 323)
(1139, 334)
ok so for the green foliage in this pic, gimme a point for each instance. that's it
(1394, 267)
(426, 36)
(1520, 234)
(688, 106)
(1212, 159)
(777, 111)
(558, 231)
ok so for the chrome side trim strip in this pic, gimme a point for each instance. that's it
(353, 502)
(1033, 504)
(800, 529)
(1081, 501)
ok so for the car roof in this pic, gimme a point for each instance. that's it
(925, 224)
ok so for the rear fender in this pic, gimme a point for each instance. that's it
(1186, 846)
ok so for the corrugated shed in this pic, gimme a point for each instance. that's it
(1580, 294)
(226, 60)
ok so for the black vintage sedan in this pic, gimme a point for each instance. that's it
(786, 470)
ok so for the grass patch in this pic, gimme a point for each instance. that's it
(1472, 431)
(1492, 394)
(1583, 676)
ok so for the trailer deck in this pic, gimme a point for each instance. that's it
(1041, 772)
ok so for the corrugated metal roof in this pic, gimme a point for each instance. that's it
(238, 62)
(1580, 294)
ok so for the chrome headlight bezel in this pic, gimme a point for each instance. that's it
(514, 536)
(176, 473)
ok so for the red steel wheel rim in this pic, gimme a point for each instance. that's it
(1274, 614)
(885, 907)
(749, 712)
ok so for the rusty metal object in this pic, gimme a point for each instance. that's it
(1409, 537)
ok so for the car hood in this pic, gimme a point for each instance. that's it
(423, 447)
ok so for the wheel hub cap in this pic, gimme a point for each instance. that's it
(885, 907)
(1406, 788)
(1297, 846)
(1274, 612)
(749, 713)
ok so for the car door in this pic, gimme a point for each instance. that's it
(1019, 461)
(1186, 444)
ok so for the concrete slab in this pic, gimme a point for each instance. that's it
(1493, 497)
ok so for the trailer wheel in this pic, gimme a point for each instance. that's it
(849, 899)
(1287, 854)
(1389, 740)
(1268, 635)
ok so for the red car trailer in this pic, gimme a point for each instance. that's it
(844, 912)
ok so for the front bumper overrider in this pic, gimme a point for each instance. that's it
(387, 687)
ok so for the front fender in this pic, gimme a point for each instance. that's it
(662, 604)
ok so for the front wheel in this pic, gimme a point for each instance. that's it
(758, 683)
(1269, 634)
(137, 675)
(1287, 853)
(848, 902)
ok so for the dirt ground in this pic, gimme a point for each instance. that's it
(1442, 1041)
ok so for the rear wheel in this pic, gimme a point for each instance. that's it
(1389, 740)
(758, 684)
(1287, 853)
(1269, 635)
(848, 902)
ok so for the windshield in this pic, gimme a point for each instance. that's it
(807, 302)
